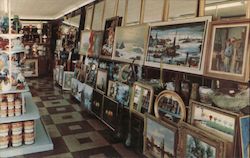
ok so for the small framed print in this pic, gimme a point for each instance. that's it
(160, 138)
(67, 76)
(228, 56)
(112, 89)
(196, 143)
(101, 80)
(245, 136)
(31, 68)
(141, 98)
(170, 106)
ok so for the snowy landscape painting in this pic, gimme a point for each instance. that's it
(130, 43)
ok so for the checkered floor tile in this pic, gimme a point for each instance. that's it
(74, 132)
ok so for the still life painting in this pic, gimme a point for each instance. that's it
(130, 43)
(245, 136)
(159, 140)
(177, 45)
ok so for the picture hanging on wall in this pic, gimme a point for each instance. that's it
(141, 99)
(245, 136)
(97, 44)
(228, 56)
(86, 42)
(160, 138)
(109, 35)
(101, 80)
(130, 43)
(178, 45)
(169, 106)
(67, 76)
(196, 143)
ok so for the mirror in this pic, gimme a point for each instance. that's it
(221, 9)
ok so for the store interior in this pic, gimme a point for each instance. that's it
(124, 78)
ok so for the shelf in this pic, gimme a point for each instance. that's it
(10, 36)
(32, 112)
(12, 52)
(42, 143)
(14, 90)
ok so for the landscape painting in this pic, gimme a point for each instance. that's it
(86, 42)
(177, 46)
(196, 148)
(130, 43)
(245, 136)
(159, 141)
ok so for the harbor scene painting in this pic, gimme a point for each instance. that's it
(176, 45)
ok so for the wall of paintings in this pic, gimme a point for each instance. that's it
(179, 78)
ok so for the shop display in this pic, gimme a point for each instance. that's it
(196, 143)
(178, 45)
(101, 80)
(141, 99)
(130, 43)
(245, 138)
(67, 76)
(160, 139)
(228, 56)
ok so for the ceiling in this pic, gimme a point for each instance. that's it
(43, 9)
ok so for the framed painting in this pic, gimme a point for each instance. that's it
(110, 112)
(112, 89)
(245, 136)
(115, 70)
(81, 75)
(86, 97)
(122, 94)
(74, 86)
(86, 42)
(160, 138)
(67, 76)
(30, 68)
(101, 80)
(196, 143)
(141, 99)
(91, 73)
(178, 45)
(228, 56)
(108, 36)
(97, 44)
(169, 106)
(97, 103)
(130, 43)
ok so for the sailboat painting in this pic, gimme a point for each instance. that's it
(178, 45)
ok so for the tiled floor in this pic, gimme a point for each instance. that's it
(74, 132)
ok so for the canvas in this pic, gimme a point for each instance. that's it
(229, 53)
(101, 81)
(86, 42)
(160, 139)
(122, 94)
(67, 76)
(178, 45)
(130, 43)
(86, 98)
(245, 136)
(97, 44)
(91, 73)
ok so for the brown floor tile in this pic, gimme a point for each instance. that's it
(60, 109)
(74, 128)
(47, 120)
(51, 97)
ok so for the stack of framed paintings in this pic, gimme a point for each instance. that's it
(228, 54)
(170, 106)
(216, 121)
(178, 45)
(141, 99)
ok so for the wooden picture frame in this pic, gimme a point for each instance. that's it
(193, 141)
(156, 131)
(228, 53)
(67, 76)
(178, 45)
(97, 103)
(141, 99)
(169, 106)
(101, 80)
(133, 12)
(130, 43)
(244, 136)
(86, 42)
(108, 36)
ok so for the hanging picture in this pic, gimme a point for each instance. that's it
(130, 43)
(112, 89)
(195, 143)
(228, 57)
(67, 76)
(86, 42)
(86, 98)
(133, 12)
(245, 136)
(109, 35)
(141, 99)
(178, 45)
(122, 94)
(101, 80)
(160, 138)
(97, 44)
(169, 106)
(74, 86)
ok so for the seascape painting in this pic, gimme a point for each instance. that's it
(130, 43)
(67, 76)
(177, 46)
(86, 43)
(195, 148)
(86, 98)
(159, 141)
(245, 136)
(214, 121)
